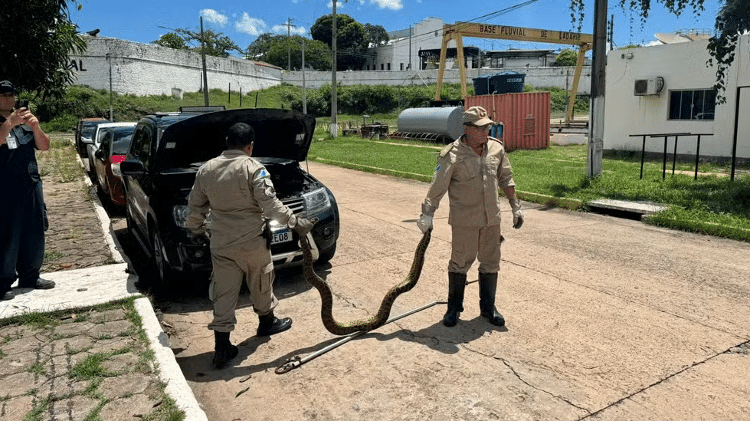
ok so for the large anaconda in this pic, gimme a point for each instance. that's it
(326, 296)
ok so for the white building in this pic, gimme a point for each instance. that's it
(669, 89)
(148, 69)
(404, 46)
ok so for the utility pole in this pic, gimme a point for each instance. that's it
(304, 88)
(598, 72)
(334, 125)
(289, 47)
(410, 34)
(203, 57)
(111, 113)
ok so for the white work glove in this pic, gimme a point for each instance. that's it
(425, 219)
(302, 225)
(515, 206)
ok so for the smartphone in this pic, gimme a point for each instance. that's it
(22, 103)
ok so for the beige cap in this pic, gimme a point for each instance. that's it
(477, 116)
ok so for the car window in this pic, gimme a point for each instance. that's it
(142, 144)
(122, 138)
(88, 131)
(105, 139)
(100, 135)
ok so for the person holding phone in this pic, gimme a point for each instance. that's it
(23, 215)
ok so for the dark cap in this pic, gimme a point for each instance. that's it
(6, 86)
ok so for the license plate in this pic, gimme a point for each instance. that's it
(281, 236)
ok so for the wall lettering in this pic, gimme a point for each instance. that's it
(487, 29)
(510, 30)
(573, 36)
(78, 67)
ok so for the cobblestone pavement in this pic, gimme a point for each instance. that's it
(81, 365)
(74, 239)
(83, 362)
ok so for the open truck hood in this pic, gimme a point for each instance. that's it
(282, 134)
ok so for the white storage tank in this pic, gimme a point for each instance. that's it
(444, 121)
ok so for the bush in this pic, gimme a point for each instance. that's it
(63, 123)
(372, 99)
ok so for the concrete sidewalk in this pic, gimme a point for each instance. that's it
(35, 373)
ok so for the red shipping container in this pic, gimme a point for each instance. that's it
(525, 116)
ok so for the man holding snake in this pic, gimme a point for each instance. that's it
(471, 170)
(238, 191)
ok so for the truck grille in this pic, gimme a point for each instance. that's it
(297, 205)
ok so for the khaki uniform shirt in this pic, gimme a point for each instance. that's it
(472, 182)
(239, 192)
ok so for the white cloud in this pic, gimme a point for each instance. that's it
(251, 26)
(389, 4)
(294, 30)
(214, 17)
(339, 5)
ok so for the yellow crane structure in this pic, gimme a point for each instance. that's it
(456, 32)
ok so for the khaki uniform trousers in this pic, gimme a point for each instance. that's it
(251, 260)
(472, 243)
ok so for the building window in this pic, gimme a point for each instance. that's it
(402, 66)
(389, 66)
(381, 66)
(692, 105)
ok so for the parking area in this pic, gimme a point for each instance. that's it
(608, 319)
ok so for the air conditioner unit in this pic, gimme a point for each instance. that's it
(651, 86)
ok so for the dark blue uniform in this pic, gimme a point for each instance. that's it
(22, 212)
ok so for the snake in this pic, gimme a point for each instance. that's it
(380, 318)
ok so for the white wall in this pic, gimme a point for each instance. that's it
(683, 67)
(149, 69)
(557, 77)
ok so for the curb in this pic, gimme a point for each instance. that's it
(168, 369)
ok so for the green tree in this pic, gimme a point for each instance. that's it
(38, 37)
(566, 57)
(171, 40)
(317, 53)
(732, 20)
(351, 39)
(376, 34)
(258, 49)
(216, 43)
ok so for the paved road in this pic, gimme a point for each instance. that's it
(608, 319)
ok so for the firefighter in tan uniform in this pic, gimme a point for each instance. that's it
(238, 191)
(471, 170)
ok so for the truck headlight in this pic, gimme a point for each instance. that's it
(316, 201)
(179, 214)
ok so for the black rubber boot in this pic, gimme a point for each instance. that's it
(223, 349)
(456, 286)
(487, 290)
(269, 324)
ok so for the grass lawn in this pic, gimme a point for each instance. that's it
(711, 205)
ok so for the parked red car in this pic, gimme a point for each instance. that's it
(115, 143)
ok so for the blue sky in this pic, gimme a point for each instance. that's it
(242, 21)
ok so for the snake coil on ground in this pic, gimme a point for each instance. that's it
(379, 319)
